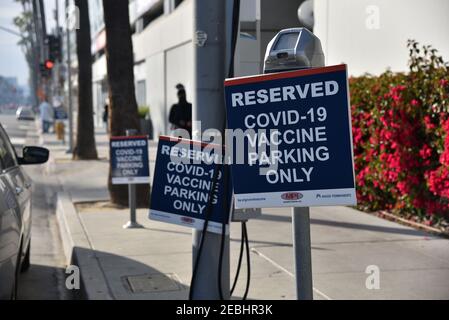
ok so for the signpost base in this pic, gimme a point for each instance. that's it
(132, 225)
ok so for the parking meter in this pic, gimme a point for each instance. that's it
(293, 49)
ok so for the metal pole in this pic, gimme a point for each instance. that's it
(208, 112)
(58, 64)
(69, 79)
(302, 249)
(44, 47)
(132, 223)
(303, 254)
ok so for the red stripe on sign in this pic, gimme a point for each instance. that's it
(187, 141)
(283, 75)
(128, 137)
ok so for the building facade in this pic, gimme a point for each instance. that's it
(371, 35)
(163, 49)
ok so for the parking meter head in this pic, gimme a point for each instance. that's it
(293, 49)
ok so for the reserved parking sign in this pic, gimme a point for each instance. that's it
(296, 129)
(183, 192)
(129, 160)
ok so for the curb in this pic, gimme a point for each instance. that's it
(432, 230)
(79, 252)
(77, 247)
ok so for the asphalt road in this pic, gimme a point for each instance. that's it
(45, 280)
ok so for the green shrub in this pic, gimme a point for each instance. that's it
(143, 111)
(401, 140)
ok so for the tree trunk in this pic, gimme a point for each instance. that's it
(85, 148)
(123, 113)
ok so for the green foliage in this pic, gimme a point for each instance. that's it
(143, 111)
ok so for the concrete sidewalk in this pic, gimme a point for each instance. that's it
(156, 262)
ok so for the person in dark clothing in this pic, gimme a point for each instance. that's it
(181, 113)
(106, 116)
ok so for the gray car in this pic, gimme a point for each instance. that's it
(15, 212)
(25, 113)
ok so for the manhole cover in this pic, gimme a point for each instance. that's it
(156, 282)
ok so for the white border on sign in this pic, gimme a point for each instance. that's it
(308, 198)
(131, 180)
(350, 126)
(195, 223)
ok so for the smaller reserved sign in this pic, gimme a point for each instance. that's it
(60, 114)
(129, 160)
(182, 195)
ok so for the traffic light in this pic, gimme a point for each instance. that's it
(46, 68)
(54, 48)
(49, 64)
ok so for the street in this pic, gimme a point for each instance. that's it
(46, 277)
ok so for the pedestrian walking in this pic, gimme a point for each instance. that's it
(47, 115)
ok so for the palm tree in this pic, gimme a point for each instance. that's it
(28, 44)
(85, 148)
(123, 112)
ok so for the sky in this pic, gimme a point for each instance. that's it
(12, 60)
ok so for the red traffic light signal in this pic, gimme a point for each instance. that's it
(49, 64)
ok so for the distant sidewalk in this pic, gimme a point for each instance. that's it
(156, 262)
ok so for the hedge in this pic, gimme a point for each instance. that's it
(401, 136)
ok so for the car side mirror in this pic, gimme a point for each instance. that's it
(34, 155)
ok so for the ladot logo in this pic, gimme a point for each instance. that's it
(291, 196)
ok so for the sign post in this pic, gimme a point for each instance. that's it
(303, 252)
(132, 223)
(130, 165)
(298, 148)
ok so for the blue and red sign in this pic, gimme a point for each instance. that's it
(183, 180)
(297, 142)
(129, 160)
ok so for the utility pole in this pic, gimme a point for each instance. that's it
(69, 78)
(56, 81)
(41, 33)
(209, 112)
(38, 31)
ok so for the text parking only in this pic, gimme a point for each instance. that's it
(299, 153)
(183, 179)
(129, 160)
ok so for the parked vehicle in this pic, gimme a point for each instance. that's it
(15, 212)
(25, 113)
